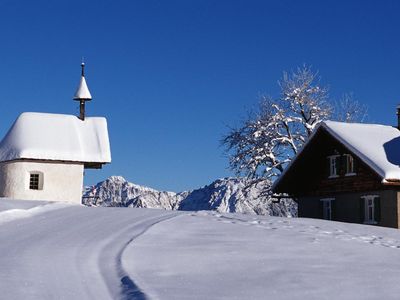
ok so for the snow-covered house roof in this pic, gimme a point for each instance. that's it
(58, 137)
(378, 146)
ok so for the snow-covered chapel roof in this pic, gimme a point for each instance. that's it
(58, 137)
(376, 145)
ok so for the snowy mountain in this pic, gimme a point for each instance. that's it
(116, 191)
(223, 195)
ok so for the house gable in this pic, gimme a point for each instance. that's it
(309, 174)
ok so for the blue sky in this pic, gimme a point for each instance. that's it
(171, 75)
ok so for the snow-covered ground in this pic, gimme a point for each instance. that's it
(56, 251)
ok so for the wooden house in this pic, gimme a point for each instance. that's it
(347, 172)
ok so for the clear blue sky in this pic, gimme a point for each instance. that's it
(171, 75)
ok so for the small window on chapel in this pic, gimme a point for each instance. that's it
(35, 181)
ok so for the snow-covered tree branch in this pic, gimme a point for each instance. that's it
(347, 109)
(266, 142)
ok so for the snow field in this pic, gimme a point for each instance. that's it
(10, 211)
(207, 255)
(70, 253)
(51, 251)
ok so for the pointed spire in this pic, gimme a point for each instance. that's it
(82, 92)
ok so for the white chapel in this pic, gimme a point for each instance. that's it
(43, 156)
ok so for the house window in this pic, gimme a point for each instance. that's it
(371, 209)
(36, 181)
(327, 208)
(349, 165)
(333, 166)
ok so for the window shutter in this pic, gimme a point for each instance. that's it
(362, 210)
(377, 209)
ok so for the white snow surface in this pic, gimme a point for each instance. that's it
(57, 137)
(77, 252)
(11, 209)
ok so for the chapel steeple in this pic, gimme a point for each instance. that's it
(82, 93)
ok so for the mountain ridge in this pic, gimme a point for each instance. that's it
(229, 194)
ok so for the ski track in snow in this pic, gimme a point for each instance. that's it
(234, 256)
(54, 251)
(129, 290)
(73, 252)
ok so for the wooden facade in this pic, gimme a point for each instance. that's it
(351, 196)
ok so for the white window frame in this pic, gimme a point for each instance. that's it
(333, 166)
(327, 208)
(369, 209)
(349, 162)
(40, 180)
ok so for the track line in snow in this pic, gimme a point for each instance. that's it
(130, 290)
(121, 283)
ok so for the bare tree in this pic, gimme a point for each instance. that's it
(268, 139)
(305, 99)
(349, 110)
